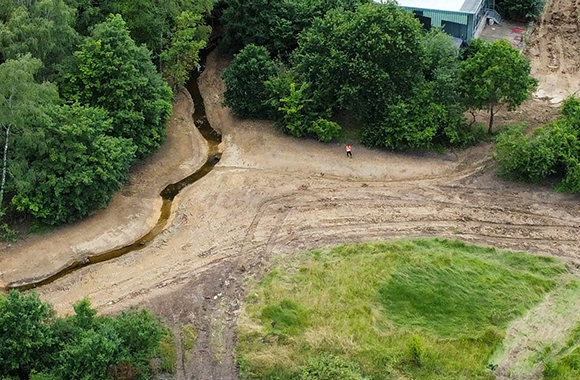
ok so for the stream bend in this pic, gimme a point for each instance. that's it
(212, 138)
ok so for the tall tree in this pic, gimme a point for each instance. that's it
(67, 167)
(274, 24)
(362, 61)
(190, 36)
(42, 28)
(21, 101)
(497, 74)
(114, 73)
(244, 78)
(150, 22)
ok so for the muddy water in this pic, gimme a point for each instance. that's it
(168, 194)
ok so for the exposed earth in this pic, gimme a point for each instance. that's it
(272, 194)
(555, 50)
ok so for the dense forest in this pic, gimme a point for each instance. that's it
(86, 86)
(404, 87)
(86, 90)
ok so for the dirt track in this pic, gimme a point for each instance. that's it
(273, 194)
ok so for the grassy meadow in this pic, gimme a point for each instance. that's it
(409, 309)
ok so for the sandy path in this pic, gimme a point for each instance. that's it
(273, 194)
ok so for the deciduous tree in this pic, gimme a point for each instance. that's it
(68, 167)
(43, 28)
(274, 24)
(189, 37)
(245, 77)
(114, 73)
(362, 61)
(21, 101)
(497, 74)
(25, 335)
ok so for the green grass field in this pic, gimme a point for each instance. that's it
(565, 363)
(420, 309)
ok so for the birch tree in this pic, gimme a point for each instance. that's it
(21, 100)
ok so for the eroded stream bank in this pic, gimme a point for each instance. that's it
(213, 140)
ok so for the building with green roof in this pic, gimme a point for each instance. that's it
(462, 19)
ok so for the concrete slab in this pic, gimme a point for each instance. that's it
(510, 30)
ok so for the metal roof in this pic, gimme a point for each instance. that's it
(463, 6)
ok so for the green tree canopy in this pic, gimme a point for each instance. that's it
(151, 22)
(36, 345)
(245, 77)
(274, 24)
(42, 28)
(362, 61)
(112, 72)
(374, 63)
(22, 101)
(497, 74)
(190, 36)
(25, 334)
(67, 166)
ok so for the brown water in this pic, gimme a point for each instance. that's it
(168, 194)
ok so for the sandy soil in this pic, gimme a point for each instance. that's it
(272, 194)
(130, 215)
(555, 50)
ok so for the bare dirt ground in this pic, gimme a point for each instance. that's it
(272, 194)
(555, 50)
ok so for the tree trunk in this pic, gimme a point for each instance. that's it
(4, 165)
(490, 118)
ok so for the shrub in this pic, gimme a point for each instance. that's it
(35, 345)
(325, 130)
(25, 335)
(292, 116)
(553, 150)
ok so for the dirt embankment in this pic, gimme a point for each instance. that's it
(555, 50)
(273, 194)
(130, 215)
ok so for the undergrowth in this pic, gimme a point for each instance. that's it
(421, 309)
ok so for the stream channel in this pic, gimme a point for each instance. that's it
(168, 194)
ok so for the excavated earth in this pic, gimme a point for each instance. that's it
(272, 194)
(555, 50)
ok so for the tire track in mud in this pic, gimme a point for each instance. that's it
(322, 215)
(342, 215)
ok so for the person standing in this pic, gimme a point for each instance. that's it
(349, 151)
